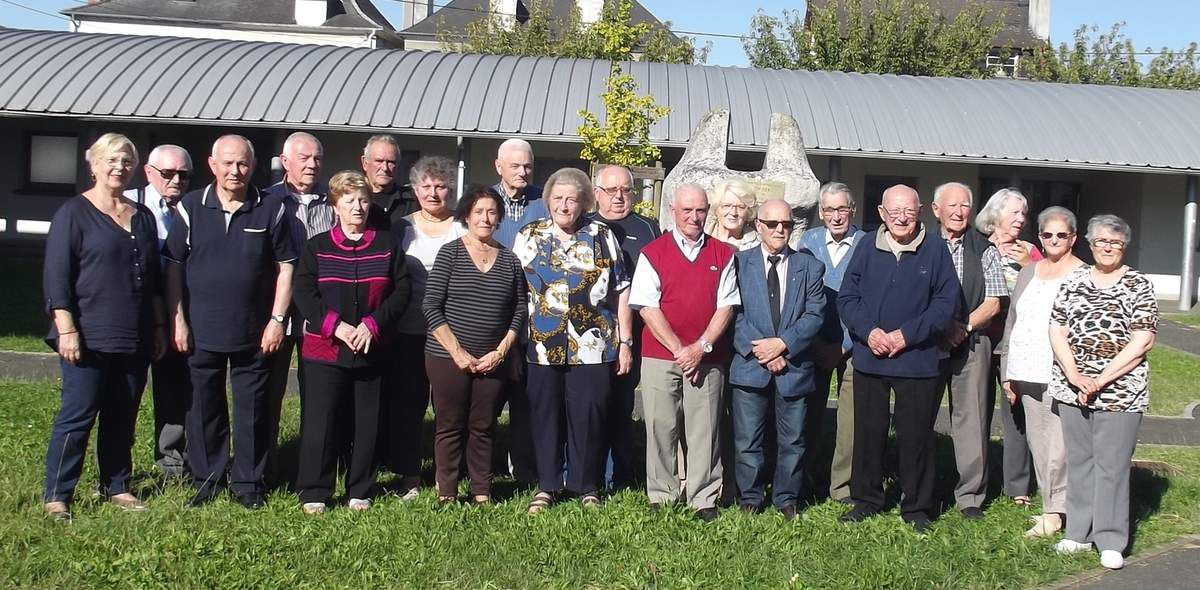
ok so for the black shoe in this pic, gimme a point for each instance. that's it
(789, 512)
(920, 523)
(858, 514)
(250, 501)
(203, 496)
(708, 514)
(655, 507)
(972, 513)
(847, 501)
(749, 508)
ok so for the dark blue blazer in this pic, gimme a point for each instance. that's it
(801, 319)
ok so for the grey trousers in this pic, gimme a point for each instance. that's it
(1045, 436)
(843, 449)
(1018, 462)
(1099, 455)
(968, 381)
(666, 397)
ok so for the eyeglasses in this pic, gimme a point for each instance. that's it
(612, 191)
(836, 210)
(119, 162)
(737, 206)
(898, 213)
(772, 224)
(1103, 243)
(168, 174)
(1062, 235)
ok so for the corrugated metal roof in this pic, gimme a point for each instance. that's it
(113, 77)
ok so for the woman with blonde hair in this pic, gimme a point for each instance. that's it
(734, 203)
(102, 281)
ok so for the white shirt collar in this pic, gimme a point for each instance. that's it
(682, 241)
(846, 239)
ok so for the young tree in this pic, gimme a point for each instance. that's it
(1110, 58)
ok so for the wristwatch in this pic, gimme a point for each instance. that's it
(970, 328)
(706, 346)
(282, 319)
(628, 342)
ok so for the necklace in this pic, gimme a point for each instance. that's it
(431, 218)
(483, 249)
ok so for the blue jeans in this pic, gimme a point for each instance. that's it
(750, 412)
(108, 385)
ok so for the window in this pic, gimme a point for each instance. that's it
(1005, 67)
(53, 162)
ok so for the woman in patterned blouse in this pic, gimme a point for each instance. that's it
(579, 332)
(1101, 328)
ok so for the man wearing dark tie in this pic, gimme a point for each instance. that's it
(783, 297)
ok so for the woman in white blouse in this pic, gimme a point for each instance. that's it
(733, 207)
(1027, 358)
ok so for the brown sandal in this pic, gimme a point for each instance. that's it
(589, 501)
(540, 502)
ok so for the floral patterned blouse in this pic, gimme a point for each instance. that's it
(1100, 323)
(573, 289)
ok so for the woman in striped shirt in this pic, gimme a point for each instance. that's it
(474, 305)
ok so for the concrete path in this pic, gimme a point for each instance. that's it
(1175, 566)
(1180, 336)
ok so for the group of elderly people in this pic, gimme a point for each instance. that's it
(561, 302)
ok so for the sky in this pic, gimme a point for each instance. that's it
(1154, 23)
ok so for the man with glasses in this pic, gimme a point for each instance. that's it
(783, 298)
(168, 170)
(391, 202)
(614, 190)
(966, 347)
(898, 296)
(833, 245)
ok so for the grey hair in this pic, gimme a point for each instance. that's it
(301, 135)
(158, 152)
(249, 146)
(1110, 222)
(833, 188)
(989, 215)
(1060, 213)
(937, 192)
(600, 172)
(576, 178)
(382, 138)
(689, 186)
(436, 167)
(513, 143)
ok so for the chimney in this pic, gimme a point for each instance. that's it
(311, 13)
(416, 11)
(590, 11)
(1039, 19)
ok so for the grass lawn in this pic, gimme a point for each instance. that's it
(1173, 382)
(1191, 318)
(421, 545)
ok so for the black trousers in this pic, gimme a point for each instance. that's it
(405, 399)
(208, 424)
(279, 367)
(916, 409)
(464, 407)
(569, 404)
(172, 390)
(619, 441)
(327, 388)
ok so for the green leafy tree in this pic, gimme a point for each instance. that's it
(892, 37)
(1093, 57)
(624, 136)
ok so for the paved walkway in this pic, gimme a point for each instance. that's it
(1175, 566)
(1180, 336)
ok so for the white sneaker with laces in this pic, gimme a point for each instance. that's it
(359, 504)
(1111, 559)
(1069, 546)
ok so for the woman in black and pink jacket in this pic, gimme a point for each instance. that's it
(351, 286)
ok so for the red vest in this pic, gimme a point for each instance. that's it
(689, 293)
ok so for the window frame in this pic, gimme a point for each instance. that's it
(52, 188)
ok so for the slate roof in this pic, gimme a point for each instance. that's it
(353, 13)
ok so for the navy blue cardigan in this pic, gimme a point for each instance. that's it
(917, 294)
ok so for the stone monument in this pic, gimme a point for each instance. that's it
(785, 173)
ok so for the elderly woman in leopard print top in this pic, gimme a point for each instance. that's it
(1101, 328)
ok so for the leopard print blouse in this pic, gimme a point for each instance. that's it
(1100, 323)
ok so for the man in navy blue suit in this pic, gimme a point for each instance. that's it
(783, 300)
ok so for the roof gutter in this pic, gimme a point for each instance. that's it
(450, 134)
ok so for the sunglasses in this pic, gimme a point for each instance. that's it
(167, 175)
(1062, 235)
(772, 224)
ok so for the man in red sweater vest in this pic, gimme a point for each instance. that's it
(685, 288)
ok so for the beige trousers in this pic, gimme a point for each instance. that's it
(669, 401)
(1043, 430)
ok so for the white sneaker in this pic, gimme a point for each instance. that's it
(1112, 560)
(411, 494)
(1069, 546)
(314, 508)
(359, 504)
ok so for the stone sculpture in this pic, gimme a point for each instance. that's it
(785, 168)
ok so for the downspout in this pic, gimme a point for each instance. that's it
(1187, 275)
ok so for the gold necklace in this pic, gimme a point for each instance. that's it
(430, 218)
(483, 249)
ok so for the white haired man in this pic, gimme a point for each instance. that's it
(522, 200)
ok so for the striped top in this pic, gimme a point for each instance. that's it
(479, 307)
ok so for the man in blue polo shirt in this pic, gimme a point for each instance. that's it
(229, 283)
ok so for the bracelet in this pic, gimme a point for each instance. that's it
(70, 332)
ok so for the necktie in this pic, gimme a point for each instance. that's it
(773, 290)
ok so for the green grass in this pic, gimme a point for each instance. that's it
(1173, 382)
(1190, 318)
(23, 322)
(421, 545)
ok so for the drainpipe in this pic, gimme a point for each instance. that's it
(835, 169)
(464, 151)
(1187, 275)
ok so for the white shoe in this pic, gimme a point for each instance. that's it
(1044, 526)
(359, 504)
(411, 494)
(1112, 560)
(1069, 546)
(314, 508)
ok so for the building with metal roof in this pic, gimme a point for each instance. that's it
(1129, 151)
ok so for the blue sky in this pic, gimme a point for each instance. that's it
(1150, 23)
